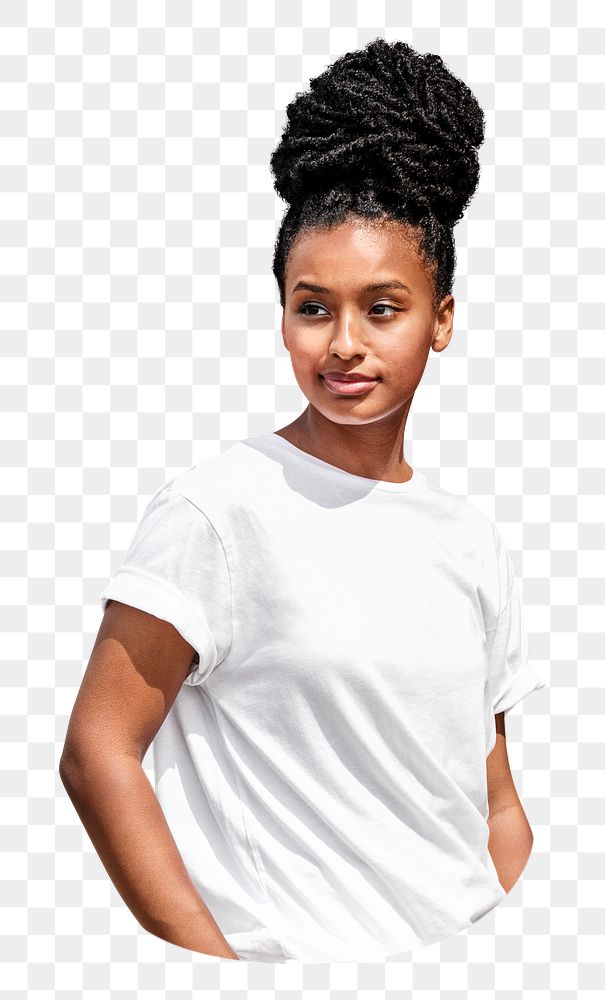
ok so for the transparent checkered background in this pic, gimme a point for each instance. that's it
(139, 326)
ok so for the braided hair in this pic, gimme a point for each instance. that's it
(384, 133)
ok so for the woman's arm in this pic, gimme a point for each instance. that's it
(124, 820)
(510, 836)
(136, 668)
(510, 843)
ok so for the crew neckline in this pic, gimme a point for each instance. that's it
(416, 480)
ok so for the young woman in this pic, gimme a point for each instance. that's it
(320, 643)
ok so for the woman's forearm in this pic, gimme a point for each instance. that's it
(125, 822)
(510, 843)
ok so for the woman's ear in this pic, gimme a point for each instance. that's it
(444, 324)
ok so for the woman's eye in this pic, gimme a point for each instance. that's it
(385, 305)
(309, 305)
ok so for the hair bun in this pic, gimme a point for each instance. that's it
(388, 117)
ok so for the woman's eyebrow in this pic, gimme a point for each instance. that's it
(373, 287)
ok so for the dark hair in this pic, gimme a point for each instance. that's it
(384, 132)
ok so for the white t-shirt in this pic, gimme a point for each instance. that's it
(322, 769)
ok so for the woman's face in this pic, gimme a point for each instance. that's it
(334, 322)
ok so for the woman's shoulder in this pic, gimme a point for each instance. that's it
(455, 511)
(226, 480)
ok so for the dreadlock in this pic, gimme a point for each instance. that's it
(384, 133)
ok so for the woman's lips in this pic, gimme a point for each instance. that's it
(346, 388)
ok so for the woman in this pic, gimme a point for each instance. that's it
(321, 643)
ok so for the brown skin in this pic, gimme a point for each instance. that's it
(386, 333)
(510, 836)
(136, 668)
(350, 330)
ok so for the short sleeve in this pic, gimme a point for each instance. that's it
(176, 569)
(511, 675)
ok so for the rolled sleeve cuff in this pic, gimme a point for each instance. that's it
(525, 680)
(160, 599)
